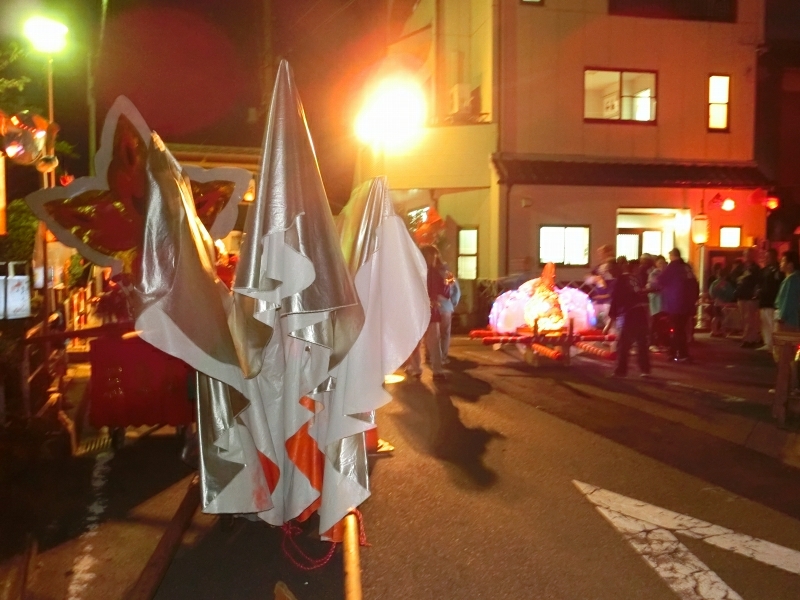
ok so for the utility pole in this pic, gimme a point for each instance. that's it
(90, 89)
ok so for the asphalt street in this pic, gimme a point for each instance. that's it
(507, 481)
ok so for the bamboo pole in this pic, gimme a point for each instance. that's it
(352, 564)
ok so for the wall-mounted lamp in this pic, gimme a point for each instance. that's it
(728, 204)
(526, 202)
(772, 203)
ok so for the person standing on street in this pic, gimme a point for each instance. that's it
(602, 281)
(630, 309)
(432, 339)
(746, 298)
(787, 300)
(771, 278)
(447, 305)
(679, 292)
(787, 304)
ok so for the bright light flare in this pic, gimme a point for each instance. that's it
(45, 34)
(728, 204)
(394, 116)
(393, 378)
(13, 149)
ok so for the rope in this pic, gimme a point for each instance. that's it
(362, 534)
(303, 560)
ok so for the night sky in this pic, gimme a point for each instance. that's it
(195, 69)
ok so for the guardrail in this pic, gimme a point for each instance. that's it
(41, 360)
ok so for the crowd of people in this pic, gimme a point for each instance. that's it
(648, 302)
(651, 302)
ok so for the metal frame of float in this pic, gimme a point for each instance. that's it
(551, 345)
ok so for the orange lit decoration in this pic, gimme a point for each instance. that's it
(543, 309)
(29, 139)
(428, 231)
(541, 303)
(102, 216)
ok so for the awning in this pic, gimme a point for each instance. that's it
(514, 170)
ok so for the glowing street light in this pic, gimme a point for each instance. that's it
(46, 35)
(393, 118)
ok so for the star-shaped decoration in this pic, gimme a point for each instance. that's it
(102, 216)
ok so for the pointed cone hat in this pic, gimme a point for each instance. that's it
(291, 213)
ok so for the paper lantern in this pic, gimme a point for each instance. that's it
(700, 229)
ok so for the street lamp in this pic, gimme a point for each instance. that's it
(393, 117)
(46, 36)
(391, 121)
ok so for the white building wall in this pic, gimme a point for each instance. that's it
(546, 48)
(597, 208)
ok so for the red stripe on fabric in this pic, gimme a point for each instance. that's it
(303, 451)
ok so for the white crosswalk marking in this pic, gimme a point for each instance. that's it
(651, 531)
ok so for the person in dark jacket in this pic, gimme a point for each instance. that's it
(771, 277)
(679, 291)
(630, 309)
(746, 297)
(436, 288)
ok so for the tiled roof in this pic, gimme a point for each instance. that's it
(526, 171)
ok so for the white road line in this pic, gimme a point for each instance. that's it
(650, 530)
(84, 565)
(686, 574)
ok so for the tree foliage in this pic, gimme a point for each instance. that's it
(11, 86)
(22, 224)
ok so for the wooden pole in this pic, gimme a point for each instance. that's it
(352, 564)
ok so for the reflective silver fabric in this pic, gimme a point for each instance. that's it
(177, 267)
(359, 220)
(217, 407)
(290, 199)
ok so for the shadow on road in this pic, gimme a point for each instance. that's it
(198, 572)
(434, 425)
(582, 395)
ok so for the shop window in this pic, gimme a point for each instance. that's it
(468, 253)
(719, 87)
(730, 237)
(563, 245)
(619, 96)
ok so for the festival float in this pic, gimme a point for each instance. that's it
(546, 321)
(286, 363)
